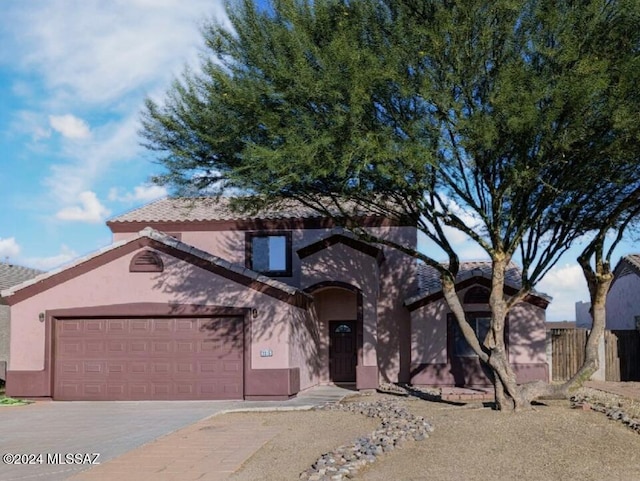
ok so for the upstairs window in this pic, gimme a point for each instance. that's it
(269, 254)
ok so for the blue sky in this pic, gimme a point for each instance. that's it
(73, 77)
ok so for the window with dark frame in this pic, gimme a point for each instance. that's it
(480, 325)
(269, 253)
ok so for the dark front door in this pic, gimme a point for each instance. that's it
(342, 351)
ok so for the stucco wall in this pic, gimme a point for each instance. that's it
(623, 302)
(385, 287)
(180, 283)
(306, 347)
(343, 264)
(4, 339)
(526, 341)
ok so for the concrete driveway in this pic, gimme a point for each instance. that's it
(111, 428)
(107, 428)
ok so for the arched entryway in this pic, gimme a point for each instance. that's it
(339, 309)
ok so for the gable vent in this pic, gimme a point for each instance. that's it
(146, 261)
(477, 295)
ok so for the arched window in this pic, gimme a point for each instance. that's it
(476, 295)
(146, 261)
(343, 329)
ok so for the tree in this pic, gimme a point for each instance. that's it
(519, 113)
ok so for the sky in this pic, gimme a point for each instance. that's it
(73, 78)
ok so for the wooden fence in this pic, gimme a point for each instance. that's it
(622, 354)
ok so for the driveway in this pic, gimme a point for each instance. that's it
(107, 428)
(111, 428)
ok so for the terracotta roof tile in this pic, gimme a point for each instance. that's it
(11, 275)
(429, 278)
(169, 241)
(629, 264)
(177, 209)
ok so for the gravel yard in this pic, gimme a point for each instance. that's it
(469, 443)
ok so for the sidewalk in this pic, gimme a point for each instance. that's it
(629, 390)
(209, 450)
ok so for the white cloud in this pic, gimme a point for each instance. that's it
(566, 284)
(97, 57)
(30, 123)
(95, 51)
(47, 263)
(143, 193)
(8, 248)
(70, 126)
(90, 209)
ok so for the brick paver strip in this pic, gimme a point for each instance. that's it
(627, 389)
(209, 450)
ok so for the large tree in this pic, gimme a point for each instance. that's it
(520, 115)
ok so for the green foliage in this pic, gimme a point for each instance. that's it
(8, 401)
(522, 114)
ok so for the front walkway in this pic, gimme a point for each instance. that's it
(209, 450)
(626, 389)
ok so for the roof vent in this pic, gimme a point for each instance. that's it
(146, 261)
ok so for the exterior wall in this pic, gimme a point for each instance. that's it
(583, 316)
(340, 263)
(332, 304)
(623, 302)
(397, 283)
(431, 364)
(180, 284)
(387, 321)
(305, 347)
(4, 340)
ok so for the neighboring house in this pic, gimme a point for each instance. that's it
(583, 315)
(623, 299)
(10, 275)
(193, 301)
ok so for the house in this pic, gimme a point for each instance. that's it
(583, 315)
(439, 353)
(194, 301)
(10, 275)
(623, 298)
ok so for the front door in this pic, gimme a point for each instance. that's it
(342, 351)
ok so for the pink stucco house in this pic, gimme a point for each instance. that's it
(623, 298)
(192, 301)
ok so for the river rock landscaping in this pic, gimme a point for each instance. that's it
(398, 426)
(613, 406)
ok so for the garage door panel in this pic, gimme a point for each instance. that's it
(148, 358)
(116, 326)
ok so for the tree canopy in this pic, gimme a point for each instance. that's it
(522, 115)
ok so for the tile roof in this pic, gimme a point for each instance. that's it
(11, 275)
(629, 264)
(634, 260)
(170, 242)
(429, 278)
(180, 209)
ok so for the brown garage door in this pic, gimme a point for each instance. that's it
(148, 358)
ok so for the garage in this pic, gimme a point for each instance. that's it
(148, 358)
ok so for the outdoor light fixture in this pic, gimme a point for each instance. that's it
(41, 317)
(254, 312)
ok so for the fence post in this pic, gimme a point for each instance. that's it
(601, 373)
(549, 348)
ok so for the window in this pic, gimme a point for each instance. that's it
(270, 253)
(343, 329)
(480, 326)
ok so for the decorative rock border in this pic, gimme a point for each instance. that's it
(398, 426)
(613, 410)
